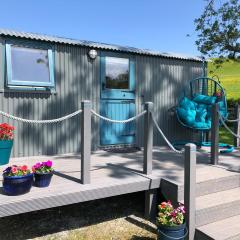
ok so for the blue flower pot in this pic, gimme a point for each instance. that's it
(170, 233)
(5, 151)
(17, 185)
(42, 179)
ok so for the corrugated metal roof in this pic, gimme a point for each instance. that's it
(43, 37)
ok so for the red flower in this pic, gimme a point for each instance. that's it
(24, 168)
(6, 131)
(163, 205)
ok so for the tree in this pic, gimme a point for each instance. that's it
(219, 30)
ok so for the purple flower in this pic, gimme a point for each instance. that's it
(48, 163)
(7, 170)
(181, 209)
(37, 165)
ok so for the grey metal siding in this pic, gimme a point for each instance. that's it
(77, 78)
(161, 81)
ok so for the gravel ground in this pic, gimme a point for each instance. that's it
(116, 218)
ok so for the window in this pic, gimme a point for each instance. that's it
(117, 73)
(29, 66)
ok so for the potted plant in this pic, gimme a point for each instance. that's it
(170, 221)
(17, 180)
(6, 142)
(43, 173)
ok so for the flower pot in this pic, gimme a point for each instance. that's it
(5, 151)
(17, 185)
(42, 179)
(170, 233)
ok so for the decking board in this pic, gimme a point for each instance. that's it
(111, 174)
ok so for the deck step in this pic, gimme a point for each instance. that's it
(175, 191)
(227, 229)
(217, 206)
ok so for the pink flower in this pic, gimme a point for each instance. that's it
(169, 203)
(181, 209)
(48, 163)
(37, 165)
(174, 213)
(14, 170)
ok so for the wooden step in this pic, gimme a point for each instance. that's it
(227, 229)
(175, 191)
(217, 206)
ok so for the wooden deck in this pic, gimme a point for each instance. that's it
(111, 174)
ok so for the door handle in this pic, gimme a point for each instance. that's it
(129, 91)
(130, 134)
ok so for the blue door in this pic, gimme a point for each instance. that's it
(117, 98)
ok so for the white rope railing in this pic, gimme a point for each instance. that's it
(118, 121)
(31, 121)
(225, 125)
(233, 120)
(164, 137)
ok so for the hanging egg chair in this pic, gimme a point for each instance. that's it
(194, 108)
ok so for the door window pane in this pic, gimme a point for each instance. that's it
(117, 73)
(30, 65)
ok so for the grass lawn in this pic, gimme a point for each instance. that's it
(225, 136)
(116, 218)
(229, 76)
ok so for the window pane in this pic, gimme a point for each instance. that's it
(117, 73)
(30, 65)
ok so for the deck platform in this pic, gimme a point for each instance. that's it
(111, 174)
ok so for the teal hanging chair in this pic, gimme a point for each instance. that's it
(194, 107)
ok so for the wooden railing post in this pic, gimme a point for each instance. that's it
(215, 134)
(85, 142)
(148, 138)
(237, 125)
(190, 188)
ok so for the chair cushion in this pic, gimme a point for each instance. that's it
(202, 107)
(197, 113)
(199, 98)
(187, 104)
(201, 114)
(201, 125)
(187, 116)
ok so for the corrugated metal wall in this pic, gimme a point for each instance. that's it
(77, 77)
(161, 81)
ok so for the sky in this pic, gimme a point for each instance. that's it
(160, 25)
